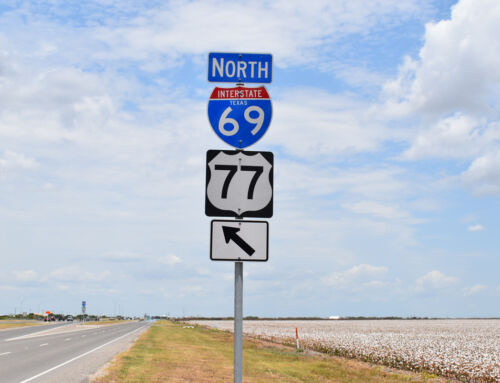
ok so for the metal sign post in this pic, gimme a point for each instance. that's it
(238, 322)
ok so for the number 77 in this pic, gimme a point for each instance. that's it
(232, 169)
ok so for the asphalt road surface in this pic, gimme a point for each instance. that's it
(69, 353)
(6, 334)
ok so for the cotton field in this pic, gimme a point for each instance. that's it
(468, 350)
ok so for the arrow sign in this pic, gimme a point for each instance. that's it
(231, 234)
(233, 240)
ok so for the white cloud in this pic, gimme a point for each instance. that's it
(375, 209)
(191, 290)
(25, 275)
(457, 66)
(76, 274)
(316, 180)
(170, 260)
(483, 175)
(467, 291)
(452, 89)
(477, 227)
(13, 160)
(458, 136)
(310, 123)
(355, 277)
(7, 288)
(122, 257)
(293, 31)
(435, 280)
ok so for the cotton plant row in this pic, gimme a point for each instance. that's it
(468, 350)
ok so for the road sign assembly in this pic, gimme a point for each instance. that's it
(239, 184)
(232, 240)
(240, 67)
(240, 116)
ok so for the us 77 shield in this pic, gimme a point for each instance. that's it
(239, 184)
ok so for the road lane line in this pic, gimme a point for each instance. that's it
(34, 334)
(67, 339)
(5, 353)
(81, 355)
(44, 344)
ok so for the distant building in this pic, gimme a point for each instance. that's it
(334, 317)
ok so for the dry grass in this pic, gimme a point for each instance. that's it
(105, 322)
(170, 353)
(14, 324)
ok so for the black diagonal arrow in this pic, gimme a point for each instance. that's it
(230, 233)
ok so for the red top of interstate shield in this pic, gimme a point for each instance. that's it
(239, 92)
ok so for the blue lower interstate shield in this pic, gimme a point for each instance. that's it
(240, 116)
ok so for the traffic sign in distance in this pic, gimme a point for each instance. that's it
(239, 184)
(239, 240)
(240, 116)
(240, 67)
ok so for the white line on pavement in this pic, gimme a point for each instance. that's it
(5, 353)
(35, 334)
(81, 355)
(44, 344)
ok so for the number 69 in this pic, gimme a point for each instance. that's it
(224, 120)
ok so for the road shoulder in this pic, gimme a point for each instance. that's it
(84, 369)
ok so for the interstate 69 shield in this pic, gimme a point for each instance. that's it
(240, 116)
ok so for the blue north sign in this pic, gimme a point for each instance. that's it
(240, 116)
(240, 67)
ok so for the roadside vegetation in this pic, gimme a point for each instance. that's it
(107, 322)
(175, 352)
(8, 324)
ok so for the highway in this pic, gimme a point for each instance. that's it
(64, 353)
(5, 334)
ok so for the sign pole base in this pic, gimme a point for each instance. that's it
(238, 322)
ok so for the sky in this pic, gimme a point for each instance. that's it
(386, 142)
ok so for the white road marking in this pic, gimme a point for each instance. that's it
(67, 339)
(5, 353)
(81, 355)
(35, 334)
(44, 344)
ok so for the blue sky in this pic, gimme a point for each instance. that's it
(386, 137)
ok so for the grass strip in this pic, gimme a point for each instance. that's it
(4, 326)
(105, 322)
(169, 352)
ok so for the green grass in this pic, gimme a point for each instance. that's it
(168, 352)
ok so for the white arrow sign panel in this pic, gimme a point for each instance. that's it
(239, 240)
